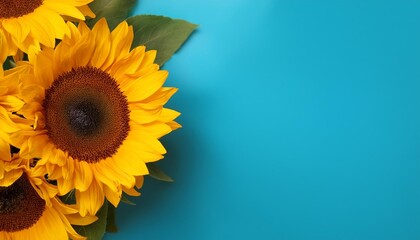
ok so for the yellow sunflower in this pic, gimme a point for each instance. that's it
(4, 50)
(9, 103)
(97, 113)
(35, 22)
(30, 209)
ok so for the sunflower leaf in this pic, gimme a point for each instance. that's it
(115, 11)
(125, 200)
(9, 63)
(157, 173)
(160, 33)
(96, 230)
(69, 198)
(111, 225)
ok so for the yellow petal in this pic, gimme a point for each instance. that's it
(83, 177)
(145, 86)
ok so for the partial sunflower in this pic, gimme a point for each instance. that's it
(97, 113)
(30, 209)
(4, 50)
(9, 103)
(35, 22)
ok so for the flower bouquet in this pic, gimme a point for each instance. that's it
(81, 112)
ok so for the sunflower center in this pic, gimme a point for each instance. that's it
(20, 206)
(18, 8)
(86, 114)
(85, 118)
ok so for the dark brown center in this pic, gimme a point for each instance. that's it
(18, 8)
(20, 206)
(86, 114)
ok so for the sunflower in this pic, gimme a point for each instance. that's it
(35, 22)
(97, 113)
(4, 50)
(9, 102)
(30, 209)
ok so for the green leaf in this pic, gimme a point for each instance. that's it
(96, 230)
(115, 11)
(124, 199)
(160, 33)
(69, 198)
(111, 226)
(9, 63)
(157, 173)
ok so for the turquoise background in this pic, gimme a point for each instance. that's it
(300, 121)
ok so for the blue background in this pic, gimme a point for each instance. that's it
(301, 120)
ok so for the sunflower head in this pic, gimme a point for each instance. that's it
(9, 102)
(29, 206)
(97, 112)
(4, 50)
(87, 111)
(39, 22)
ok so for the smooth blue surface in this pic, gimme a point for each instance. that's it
(301, 121)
